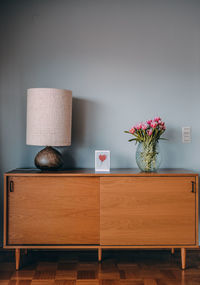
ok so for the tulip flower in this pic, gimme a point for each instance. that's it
(149, 132)
(132, 130)
(156, 119)
(154, 124)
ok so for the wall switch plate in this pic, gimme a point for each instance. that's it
(186, 135)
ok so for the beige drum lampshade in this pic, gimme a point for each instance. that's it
(49, 116)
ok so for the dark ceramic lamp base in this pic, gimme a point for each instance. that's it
(48, 159)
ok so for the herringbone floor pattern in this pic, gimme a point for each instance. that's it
(118, 267)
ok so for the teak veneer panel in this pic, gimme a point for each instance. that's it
(147, 211)
(84, 209)
(53, 210)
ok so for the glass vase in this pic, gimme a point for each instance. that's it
(148, 156)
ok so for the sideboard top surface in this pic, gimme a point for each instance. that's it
(91, 172)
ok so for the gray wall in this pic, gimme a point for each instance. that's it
(124, 60)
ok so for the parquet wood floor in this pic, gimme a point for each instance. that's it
(153, 267)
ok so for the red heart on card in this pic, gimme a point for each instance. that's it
(102, 157)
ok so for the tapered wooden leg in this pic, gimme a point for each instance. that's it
(26, 251)
(183, 257)
(172, 251)
(17, 258)
(99, 254)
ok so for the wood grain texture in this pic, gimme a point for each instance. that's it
(17, 258)
(53, 210)
(99, 254)
(183, 258)
(113, 172)
(5, 211)
(197, 208)
(147, 211)
(90, 246)
(61, 210)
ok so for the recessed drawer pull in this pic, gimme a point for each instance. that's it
(11, 186)
(193, 187)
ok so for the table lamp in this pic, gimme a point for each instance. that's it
(49, 116)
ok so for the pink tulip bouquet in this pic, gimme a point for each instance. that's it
(150, 131)
(148, 134)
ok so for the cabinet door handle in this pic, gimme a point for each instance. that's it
(11, 186)
(193, 187)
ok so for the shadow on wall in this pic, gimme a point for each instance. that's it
(83, 119)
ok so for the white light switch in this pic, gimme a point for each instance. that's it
(186, 135)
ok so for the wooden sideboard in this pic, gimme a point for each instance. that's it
(81, 209)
